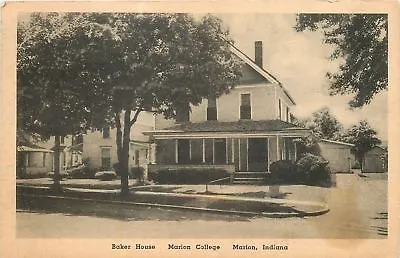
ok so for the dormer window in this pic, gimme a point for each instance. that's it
(245, 106)
(212, 108)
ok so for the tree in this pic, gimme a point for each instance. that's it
(169, 62)
(364, 138)
(61, 87)
(134, 63)
(323, 124)
(361, 40)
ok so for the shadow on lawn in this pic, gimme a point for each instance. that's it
(116, 211)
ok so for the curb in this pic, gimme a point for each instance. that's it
(322, 210)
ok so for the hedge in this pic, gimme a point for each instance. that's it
(187, 176)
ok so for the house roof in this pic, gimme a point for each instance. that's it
(237, 126)
(337, 142)
(259, 69)
(27, 146)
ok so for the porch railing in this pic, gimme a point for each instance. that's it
(219, 180)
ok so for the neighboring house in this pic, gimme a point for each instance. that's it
(338, 154)
(33, 160)
(375, 160)
(243, 131)
(100, 150)
(71, 154)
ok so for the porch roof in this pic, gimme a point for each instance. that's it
(237, 126)
(241, 126)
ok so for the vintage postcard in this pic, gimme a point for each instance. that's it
(166, 129)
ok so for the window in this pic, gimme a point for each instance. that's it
(106, 157)
(137, 156)
(62, 140)
(212, 108)
(183, 151)
(220, 151)
(106, 132)
(287, 114)
(245, 106)
(196, 151)
(280, 109)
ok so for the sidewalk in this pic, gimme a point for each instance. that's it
(289, 192)
(292, 200)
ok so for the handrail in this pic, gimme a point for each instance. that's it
(217, 180)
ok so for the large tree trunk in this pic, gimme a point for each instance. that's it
(124, 154)
(57, 176)
(360, 161)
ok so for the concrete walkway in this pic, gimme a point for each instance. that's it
(291, 200)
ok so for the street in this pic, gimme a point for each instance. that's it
(358, 210)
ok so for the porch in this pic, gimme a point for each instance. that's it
(244, 154)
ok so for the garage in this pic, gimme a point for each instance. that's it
(374, 160)
(338, 154)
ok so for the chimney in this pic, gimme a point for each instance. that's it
(258, 56)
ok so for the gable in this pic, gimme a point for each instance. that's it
(250, 76)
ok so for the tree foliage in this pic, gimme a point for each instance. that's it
(364, 138)
(361, 40)
(323, 124)
(86, 70)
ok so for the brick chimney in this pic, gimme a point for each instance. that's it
(258, 56)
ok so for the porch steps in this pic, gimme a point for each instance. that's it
(255, 178)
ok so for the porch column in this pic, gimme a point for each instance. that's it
(226, 151)
(247, 149)
(176, 151)
(213, 150)
(278, 156)
(233, 151)
(268, 162)
(190, 150)
(152, 154)
(204, 150)
(295, 151)
(283, 151)
(240, 159)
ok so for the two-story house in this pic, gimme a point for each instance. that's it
(242, 131)
(100, 150)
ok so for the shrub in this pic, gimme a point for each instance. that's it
(32, 176)
(81, 172)
(315, 168)
(356, 165)
(137, 173)
(105, 175)
(284, 171)
(187, 176)
(63, 174)
(115, 166)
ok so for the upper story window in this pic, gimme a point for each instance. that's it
(287, 114)
(62, 140)
(182, 113)
(245, 106)
(212, 108)
(106, 132)
(280, 109)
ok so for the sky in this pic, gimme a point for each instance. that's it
(300, 61)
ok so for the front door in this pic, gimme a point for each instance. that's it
(258, 154)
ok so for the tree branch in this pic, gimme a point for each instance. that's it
(135, 117)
